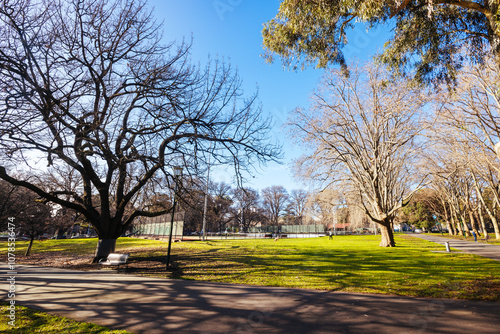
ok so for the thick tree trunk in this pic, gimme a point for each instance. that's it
(447, 220)
(492, 215)
(104, 248)
(458, 225)
(463, 223)
(473, 223)
(449, 227)
(453, 229)
(494, 221)
(387, 236)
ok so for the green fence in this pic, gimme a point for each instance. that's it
(289, 229)
(160, 226)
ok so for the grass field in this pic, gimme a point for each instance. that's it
(346, 263)
(33, 321)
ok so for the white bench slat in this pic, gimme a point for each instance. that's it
(115, 259)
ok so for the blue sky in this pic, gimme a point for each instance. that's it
(232, 29)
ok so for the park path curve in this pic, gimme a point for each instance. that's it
(477, 248)
(154, 305)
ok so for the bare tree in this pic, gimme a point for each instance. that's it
(274, 201)
(319, 207)
(471, 118)
(220, 207)
(89, 84)
(297, 204)
(11, 202)
(31, 216)
(248, 211)
(362, 131)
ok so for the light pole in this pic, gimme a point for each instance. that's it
(177, 173)
(206, 199)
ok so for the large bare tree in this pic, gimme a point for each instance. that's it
(90, 84)
(362, 131)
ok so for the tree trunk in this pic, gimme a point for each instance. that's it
(473, 223)
(493, 218)
(458, 225)
(453, 229)
(465, 227)
(387, 236)
(29, 247)
(447, 220)
(104, 248)
(494, 221)
(483, 224)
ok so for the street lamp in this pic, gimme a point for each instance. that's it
(204, 228)
(177, 173)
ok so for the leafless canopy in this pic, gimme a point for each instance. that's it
(89, 84)
(362, 130)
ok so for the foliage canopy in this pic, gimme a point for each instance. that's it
(431, 38)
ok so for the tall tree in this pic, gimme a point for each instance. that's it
(274, 201)
(421, 209)
(221, 202)
(11, 202)
(297, 204)
(431, 38)
(247, 212)
(362, 131)
(30, 215)
(472, 118)
(90, 85)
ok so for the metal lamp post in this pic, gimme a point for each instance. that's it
(177, 173)
(204, 228)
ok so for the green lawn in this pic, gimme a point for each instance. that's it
(33, 321)
(346, 263)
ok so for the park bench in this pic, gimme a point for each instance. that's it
(115, 259)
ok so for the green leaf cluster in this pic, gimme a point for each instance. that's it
(430, 41)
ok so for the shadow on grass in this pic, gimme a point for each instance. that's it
(410, 269)
(351, 264)
(149, 305)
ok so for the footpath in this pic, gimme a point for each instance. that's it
(477, 248)
(154, 305)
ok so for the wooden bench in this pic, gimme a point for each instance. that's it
(115, 259)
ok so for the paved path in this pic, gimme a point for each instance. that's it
(477, 248)
(153, 305)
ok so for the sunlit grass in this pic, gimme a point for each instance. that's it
(33, 321)
(346, 263)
